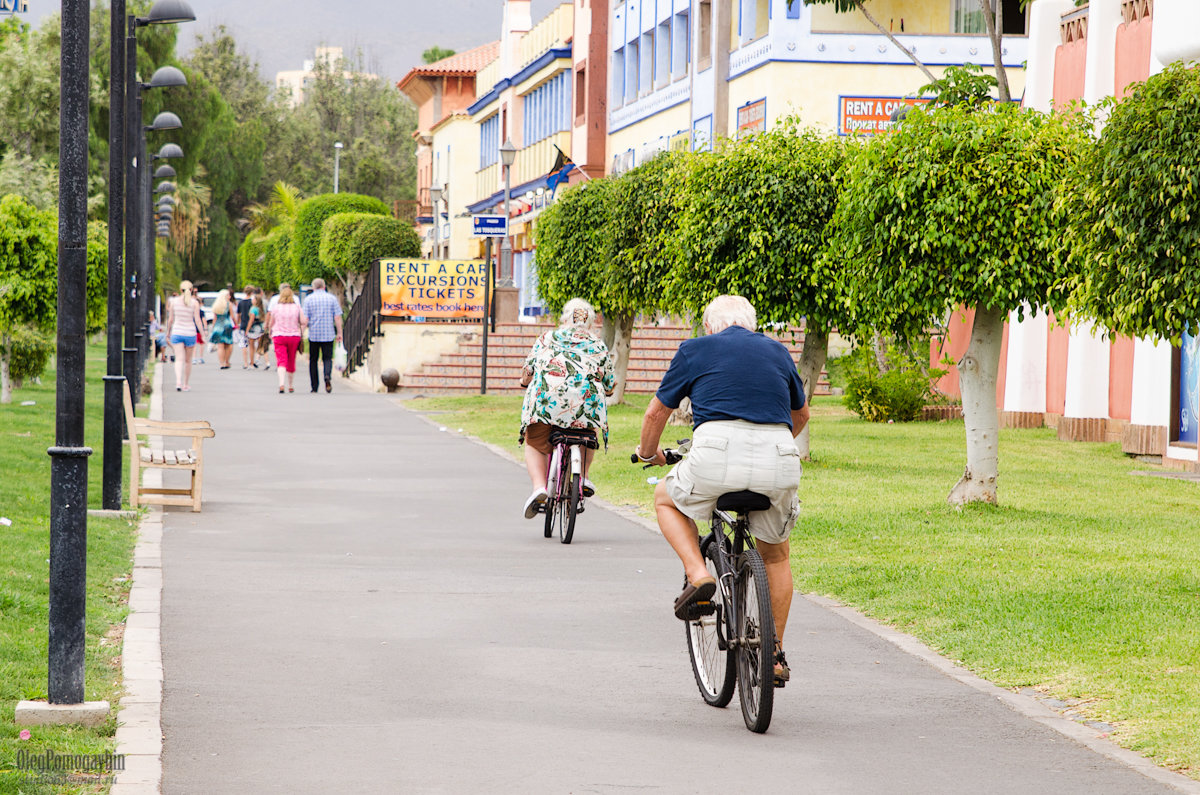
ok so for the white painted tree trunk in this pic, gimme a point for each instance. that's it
(812, 361)
(5, 380)
(622, 340)
(977, 371)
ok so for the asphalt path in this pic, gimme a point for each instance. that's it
(362, 608)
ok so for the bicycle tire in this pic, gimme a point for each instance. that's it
(755, 629)
(551, 489)
(569, 508)
(713, 667)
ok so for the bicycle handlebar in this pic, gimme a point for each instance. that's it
(672, 456)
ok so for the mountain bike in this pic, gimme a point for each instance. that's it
(564, 484)
(731, 640)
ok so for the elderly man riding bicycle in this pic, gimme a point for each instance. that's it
(748, 405)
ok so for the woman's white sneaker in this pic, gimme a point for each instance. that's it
(535, 501)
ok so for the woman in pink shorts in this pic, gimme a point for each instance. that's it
(284, 324)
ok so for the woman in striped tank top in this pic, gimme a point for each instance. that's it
(184, 323)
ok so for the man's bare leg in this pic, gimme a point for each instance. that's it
(777, 558)
(681, 534)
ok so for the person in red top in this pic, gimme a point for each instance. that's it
(285, 323)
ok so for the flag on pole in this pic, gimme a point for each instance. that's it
(560, 171)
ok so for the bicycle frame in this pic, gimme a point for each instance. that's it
(732, 538)
(563, 465)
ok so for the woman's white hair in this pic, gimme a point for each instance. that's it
(577, 312)
(729, 310)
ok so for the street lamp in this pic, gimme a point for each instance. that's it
(337, 157)
(508, 155)
(436, 201)
(122, 72)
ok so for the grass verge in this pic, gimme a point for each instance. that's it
(25, 434)
(1083, 584)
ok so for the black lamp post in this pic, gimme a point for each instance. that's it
(122, 69)
(69, 456)
(162, 122)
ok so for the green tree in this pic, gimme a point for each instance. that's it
(435, 53)
(1134, 212)
(754, 224)
(35, 180)
(350, 242)
(306, 236)
(29, 276)
(956, 207)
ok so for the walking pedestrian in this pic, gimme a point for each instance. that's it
(256, 335)
(222, 329)
(324, 313)
(199, 357)
(243, 321)
(186, 325)
(285, 323)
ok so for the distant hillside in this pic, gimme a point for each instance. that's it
(392, 34)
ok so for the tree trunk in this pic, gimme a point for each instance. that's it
(911, 55)
(995, 29)
(977, 371)
(812, 360)
(608, 332)
(622, 340)
(880, 343)
(5, 380)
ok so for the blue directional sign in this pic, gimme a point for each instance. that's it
(489, 225)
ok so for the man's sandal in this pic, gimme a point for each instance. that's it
(696, 599)
(782, 672)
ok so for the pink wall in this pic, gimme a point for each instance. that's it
(1133, 54)
(1057, 342)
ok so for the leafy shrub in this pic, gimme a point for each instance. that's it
(898, 394)
(351, 241)
(30, 352)
(895, 395)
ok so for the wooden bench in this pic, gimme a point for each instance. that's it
(142, 457)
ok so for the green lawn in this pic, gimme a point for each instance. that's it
(1084, 583)
(25, 434)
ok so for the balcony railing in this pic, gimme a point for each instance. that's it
(555, 30)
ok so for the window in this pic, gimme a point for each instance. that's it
(581, 92)
(680, 49)
(968, 17)
(631, 71)
(793, 9)
(547, 109)
(489, 141)
(662, 55)
(704, 36)
(646, 78)
(618, 78)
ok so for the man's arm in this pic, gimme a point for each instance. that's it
(799, 419)
(337, 325)
(653, 423)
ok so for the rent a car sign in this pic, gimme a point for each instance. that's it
(870, 115)
(432, 288)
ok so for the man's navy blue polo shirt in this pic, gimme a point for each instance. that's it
(736, 374)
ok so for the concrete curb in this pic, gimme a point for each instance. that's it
(139, 721)
(1022, 704)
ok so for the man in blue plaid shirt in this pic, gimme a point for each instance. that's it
(324, 315)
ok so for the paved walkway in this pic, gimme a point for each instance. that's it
(360, 608)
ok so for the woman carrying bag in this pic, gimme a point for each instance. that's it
(187, 326)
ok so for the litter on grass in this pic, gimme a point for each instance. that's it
(4, 520)
(28, 402)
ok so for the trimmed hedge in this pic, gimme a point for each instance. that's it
(351, 241)
(306, 237)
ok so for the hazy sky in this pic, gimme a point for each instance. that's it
(392, 34)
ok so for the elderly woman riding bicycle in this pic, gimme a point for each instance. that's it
(568, 373)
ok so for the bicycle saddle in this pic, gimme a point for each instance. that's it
(743, 501)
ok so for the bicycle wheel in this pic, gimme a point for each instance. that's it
(755, 629)
(552, 490)
(712, 657)
(569, 507)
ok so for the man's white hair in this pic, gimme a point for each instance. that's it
(729, 310)
(318, 283)
(577, 312)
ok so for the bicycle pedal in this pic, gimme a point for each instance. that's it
(700, 610)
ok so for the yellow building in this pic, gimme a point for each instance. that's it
(685, 72)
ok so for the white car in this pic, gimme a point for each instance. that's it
(207, 299)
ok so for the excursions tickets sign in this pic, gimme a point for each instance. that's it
(431, 288)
